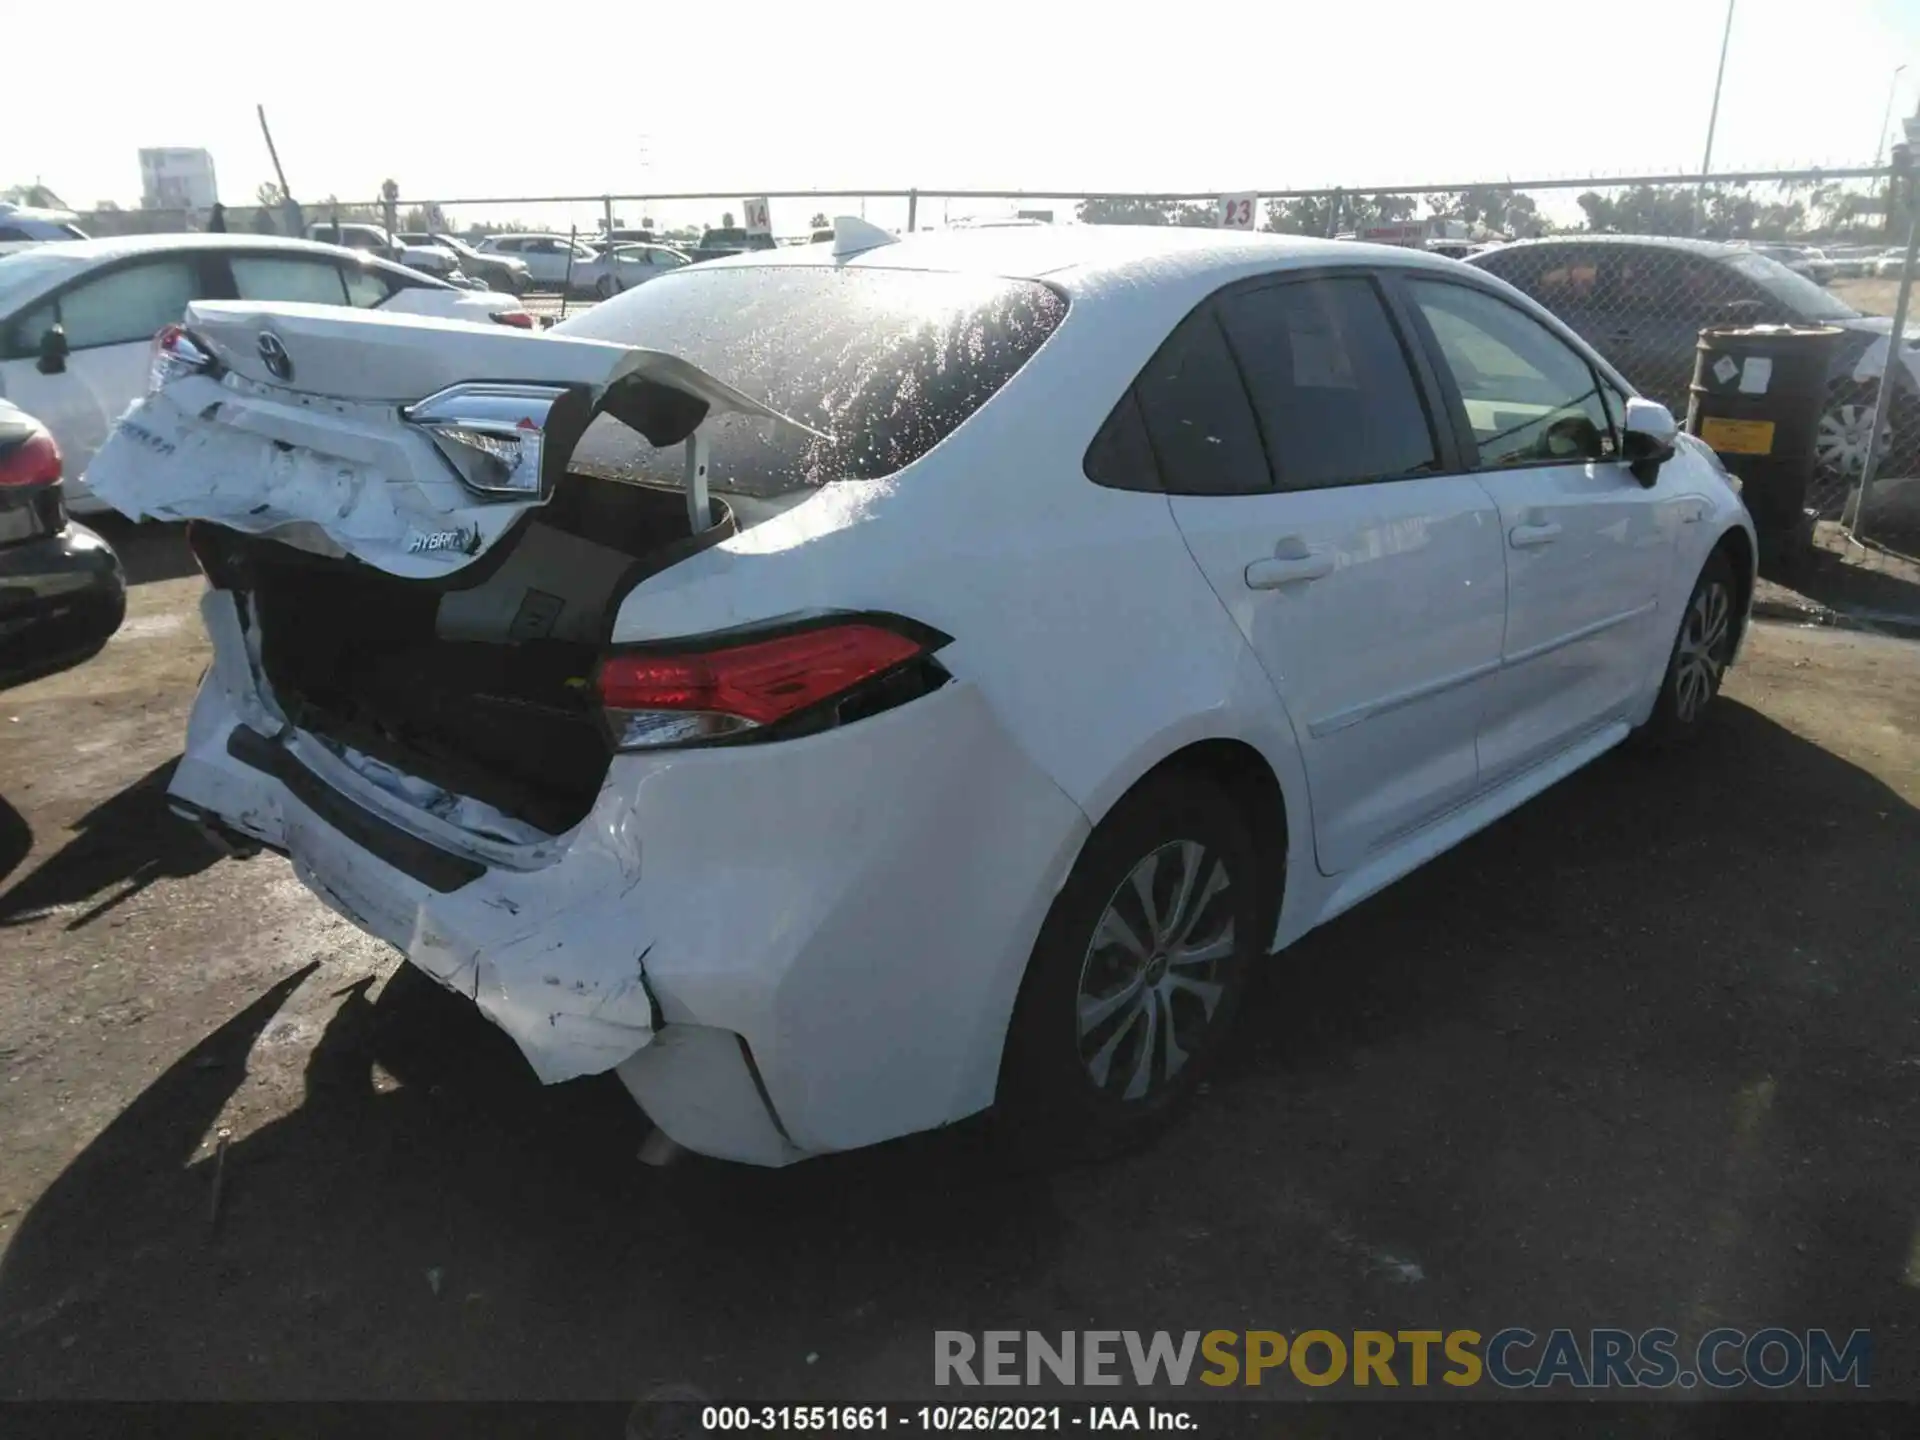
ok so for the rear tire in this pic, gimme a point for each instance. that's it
(1137, 973)
(1698, 661)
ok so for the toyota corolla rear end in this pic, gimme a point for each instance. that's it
(755, 867)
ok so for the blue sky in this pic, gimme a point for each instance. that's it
(1202, 94)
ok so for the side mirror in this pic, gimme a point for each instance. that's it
(53, 351)
(1648, 439)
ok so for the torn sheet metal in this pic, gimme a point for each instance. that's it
(322, 458)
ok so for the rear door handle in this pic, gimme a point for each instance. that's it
(1289, 570)
(1523, 536)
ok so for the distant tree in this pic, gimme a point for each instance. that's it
(108, 207)
(269, 195)
(1124, 210)
(819, 221)
(726, 220)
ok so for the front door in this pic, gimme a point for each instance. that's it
(109, 318)
(1310, 485)
(1587, 546)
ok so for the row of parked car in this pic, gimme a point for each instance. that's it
(522, 260)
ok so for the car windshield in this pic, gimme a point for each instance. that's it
(885, 362)
(1796, 292)
(459, 247)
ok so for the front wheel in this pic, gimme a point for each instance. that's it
(1701, 653)
(1137, 972)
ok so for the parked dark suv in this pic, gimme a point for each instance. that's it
(1642, 300)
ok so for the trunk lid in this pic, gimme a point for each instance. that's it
(349, 433)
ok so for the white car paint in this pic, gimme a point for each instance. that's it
(816, 944)
(80, 404)
(549, 258)
(625, 266)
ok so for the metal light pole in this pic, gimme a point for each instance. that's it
(1713, 116)
(1886, 116)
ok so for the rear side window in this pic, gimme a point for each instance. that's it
(279, 277)
(887, 363)
(1330, 383)
(366, 287)
(1197, 415)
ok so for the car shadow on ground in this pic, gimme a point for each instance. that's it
(149, 551)
(430, 1222)
(16, 838)
(119, 847)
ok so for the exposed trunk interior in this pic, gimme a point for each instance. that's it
(482, 684)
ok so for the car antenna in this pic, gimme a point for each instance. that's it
(852, 236)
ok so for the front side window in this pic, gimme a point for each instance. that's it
(1330, 383)
(1530, 398)
(123, 306)
(280, 277)
(884, 363)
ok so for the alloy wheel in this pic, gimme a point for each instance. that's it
(1706, 640)
(1155, 970)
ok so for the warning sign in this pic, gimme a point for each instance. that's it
(1738, 437)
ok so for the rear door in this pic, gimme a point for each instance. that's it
(1587, 545)
(1289, 419)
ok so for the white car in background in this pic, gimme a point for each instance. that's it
(909, 677)
(547, 257)
(22, 227)
(77, 318)
(625, 266)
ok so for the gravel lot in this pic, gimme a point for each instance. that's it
(1646, 1053)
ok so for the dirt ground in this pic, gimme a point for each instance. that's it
(1868, 296)
(1645, 1053)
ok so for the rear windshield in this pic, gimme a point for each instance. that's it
(886, 362)
(1795, 291)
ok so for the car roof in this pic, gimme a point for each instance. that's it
(1707, 249)
(89, 252)
(1083, 257)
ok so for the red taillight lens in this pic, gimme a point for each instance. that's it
(519, 319)
(174, 353)
(34, 461)
(667, 699)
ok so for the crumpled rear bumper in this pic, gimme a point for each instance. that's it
(486, 931)
(821, 949)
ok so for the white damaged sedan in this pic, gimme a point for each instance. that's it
(843, 689)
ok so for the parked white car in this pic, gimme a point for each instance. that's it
(77, 319)
(625, 266)
(1888, 264)
(546, 256)
(994, 645)
(22, 227)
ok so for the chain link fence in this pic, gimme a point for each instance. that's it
(1641, 301)
(1638, 265)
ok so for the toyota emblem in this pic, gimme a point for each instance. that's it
(274, 353)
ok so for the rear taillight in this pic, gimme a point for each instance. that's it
(519, 319)
(494, 436)
(738, 686)
(34, 461)
(175, 353)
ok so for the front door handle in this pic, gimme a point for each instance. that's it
(1523, 536)
(1289, 570)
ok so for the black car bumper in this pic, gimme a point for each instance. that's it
(60, 595)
